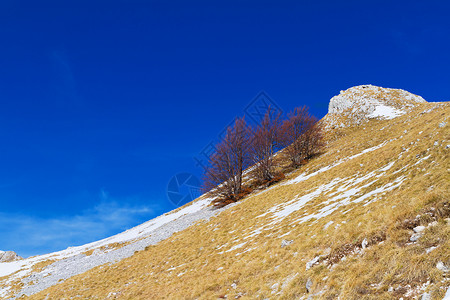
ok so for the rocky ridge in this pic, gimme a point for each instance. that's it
(359, 104)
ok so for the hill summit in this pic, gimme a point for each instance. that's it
(358, 104)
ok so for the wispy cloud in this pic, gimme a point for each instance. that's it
(31, 235)
(64, 85)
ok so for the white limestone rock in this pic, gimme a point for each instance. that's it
(359, 104)
(8, 256)
(364, 244)
(440, 266)
(419, 229)
(312, 262)
(309, 284)
(285, 243)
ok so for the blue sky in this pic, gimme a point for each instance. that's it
(102, 102)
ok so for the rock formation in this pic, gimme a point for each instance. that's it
(7, 256)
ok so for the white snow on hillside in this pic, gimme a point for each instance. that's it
(385, 112)
(347, 191)
(137, 232)
(339, 192)
(303, 177)
(73, 261)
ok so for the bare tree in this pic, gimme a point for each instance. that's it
(265, 142)
(301, 135)
(223, 175)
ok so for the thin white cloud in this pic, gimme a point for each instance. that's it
(31, 235)
(64, 79)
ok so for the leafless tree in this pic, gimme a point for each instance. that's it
(301, 135)
(223, 175)
(241, 146)
(265, 142)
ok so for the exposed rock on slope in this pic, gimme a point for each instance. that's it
(7, 256)
(361, 103)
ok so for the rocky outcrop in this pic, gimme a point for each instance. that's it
(7, 256)
(362, 103)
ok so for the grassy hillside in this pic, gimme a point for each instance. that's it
(341, 226)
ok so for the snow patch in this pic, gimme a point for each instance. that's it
(73, 261)
(385, 112)
(349, 191)
(236, 247)
(303, 177)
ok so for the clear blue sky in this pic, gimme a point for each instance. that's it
(102, 102)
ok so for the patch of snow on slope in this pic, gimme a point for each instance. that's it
(303, 177)
(283, 210)
(148, 227)
(422, 159)
(131, 234)
(348, 189)
(329, 209)
(387, 167)
(73, 261)
(232, 248)
(447, 294)
(236, 247)
(245, 251)
(386, 112)
(9, 268)
(325, 227)
(385, 188)
(253, 233)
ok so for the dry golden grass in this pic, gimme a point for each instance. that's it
(42, 265)
(201, 263)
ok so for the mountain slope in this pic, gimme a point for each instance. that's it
(31, 275)
(369, 218)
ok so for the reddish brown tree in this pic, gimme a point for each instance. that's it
(265, 142)
(301, 135)
(223, 175)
